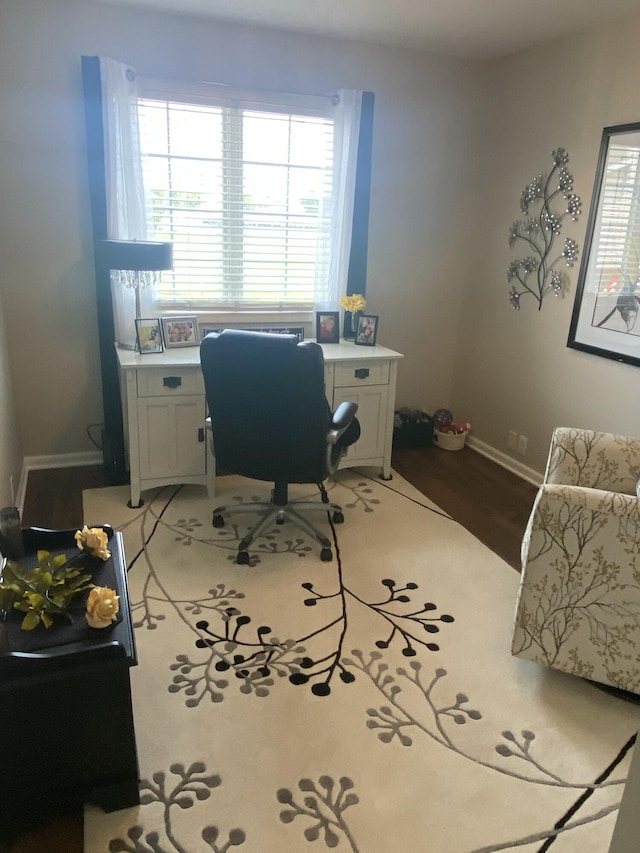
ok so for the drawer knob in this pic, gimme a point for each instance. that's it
(361, 373)
(172, 381)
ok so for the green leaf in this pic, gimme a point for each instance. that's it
(47, 620)
(11, 572)
(35, 600)
(30, 621)
(78, 583)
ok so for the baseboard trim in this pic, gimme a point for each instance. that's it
(73, 460)
(63, 460)
(60, 460)
(518, 468)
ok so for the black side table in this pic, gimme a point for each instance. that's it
(66, 721)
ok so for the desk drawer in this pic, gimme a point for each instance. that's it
(169, 381)
(365, 372)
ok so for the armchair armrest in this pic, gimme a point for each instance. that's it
(571, 521)
(597, 460)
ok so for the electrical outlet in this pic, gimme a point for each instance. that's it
(522, 445)
(512, 439)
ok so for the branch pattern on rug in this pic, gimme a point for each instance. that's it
(254, 660)
(409, 706)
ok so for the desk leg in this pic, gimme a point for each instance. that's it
(133, 436)
(210, 462)
(388, 426)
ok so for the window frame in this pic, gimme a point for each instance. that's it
(220, 95)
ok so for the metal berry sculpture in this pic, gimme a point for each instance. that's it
(539, 231)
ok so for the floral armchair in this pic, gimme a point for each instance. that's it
(578, 606)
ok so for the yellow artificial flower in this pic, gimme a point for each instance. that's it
(102, 607)
(93, 540)
(354, 302)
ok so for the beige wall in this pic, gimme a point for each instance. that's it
(426, 117)
(513, 368)
(454, 144)
(10, 448)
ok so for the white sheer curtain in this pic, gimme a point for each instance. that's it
(335, 241)
(126, 210)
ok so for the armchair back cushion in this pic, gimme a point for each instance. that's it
(598, 460)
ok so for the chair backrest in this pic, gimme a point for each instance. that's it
(268, 409)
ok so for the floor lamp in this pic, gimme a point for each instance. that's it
(138, 261)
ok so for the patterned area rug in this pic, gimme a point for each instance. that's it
(369, 704)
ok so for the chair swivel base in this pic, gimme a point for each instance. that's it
(274, 514)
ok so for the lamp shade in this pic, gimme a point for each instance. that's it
(141, 255)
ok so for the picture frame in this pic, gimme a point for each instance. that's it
(328, 327)
(272, 330)
(367, 330)
(606, 312)
(180, 331)
(149, 335)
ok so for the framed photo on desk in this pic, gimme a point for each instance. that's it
(367, 330)
(149, 335)
(328, 327)
(180, 331)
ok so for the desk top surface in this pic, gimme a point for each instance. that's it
(190, 356)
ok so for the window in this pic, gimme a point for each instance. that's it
(244, 189)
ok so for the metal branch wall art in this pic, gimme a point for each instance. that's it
(545, 203)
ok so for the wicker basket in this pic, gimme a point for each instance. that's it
(449, 440)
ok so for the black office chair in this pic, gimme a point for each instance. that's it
(271, 421)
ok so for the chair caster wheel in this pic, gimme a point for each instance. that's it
(279, 520)
(338, 517)
(325, 555)
(325, 498)
(217, 521)
(243, 558)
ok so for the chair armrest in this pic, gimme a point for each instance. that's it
(597, 460)
(570, 520)
(598, 500)
(341, 419)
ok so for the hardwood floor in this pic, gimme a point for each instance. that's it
(489, 501)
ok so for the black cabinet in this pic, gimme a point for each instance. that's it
(66, 720)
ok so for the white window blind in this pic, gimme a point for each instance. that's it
(243, 188)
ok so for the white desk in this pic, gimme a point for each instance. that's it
(163, 403)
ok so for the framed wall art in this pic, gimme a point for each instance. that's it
(605, 313)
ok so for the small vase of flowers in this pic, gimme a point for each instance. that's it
(353, 304)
